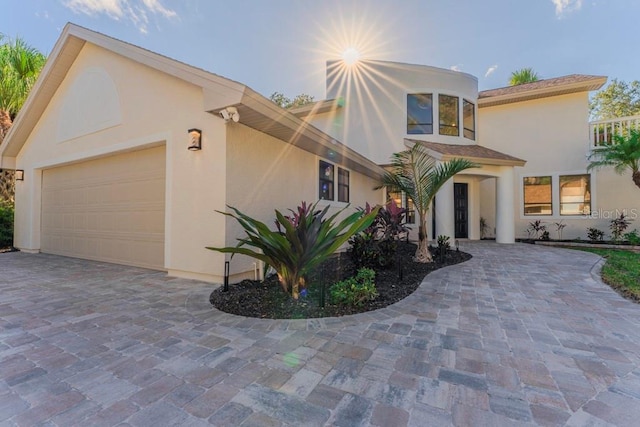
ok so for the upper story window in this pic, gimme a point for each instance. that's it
(327, 179)
(575, 194)
(420, 113)
(469, 119)
(449, 115)
(537, 195)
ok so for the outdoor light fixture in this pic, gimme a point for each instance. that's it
(230, 113)
(195, 139)
(19, 175)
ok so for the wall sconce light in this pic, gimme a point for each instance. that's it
(19, 174)
(195, 139)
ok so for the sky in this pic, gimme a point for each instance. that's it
(283, 45)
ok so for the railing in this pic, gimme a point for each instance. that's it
(602, 131)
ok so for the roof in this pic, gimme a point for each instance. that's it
(255, 110)
(473, 152)
(317, 107)
(540, 89)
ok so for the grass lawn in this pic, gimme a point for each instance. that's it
(621, 271)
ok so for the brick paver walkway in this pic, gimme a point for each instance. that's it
(519, 335)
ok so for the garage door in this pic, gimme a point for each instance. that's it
(110, 209)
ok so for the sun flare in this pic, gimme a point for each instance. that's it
(351, 55)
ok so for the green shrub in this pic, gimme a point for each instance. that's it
(632, 237)
(6, 224)
(594, 234)
(618, 226)
(355, 290)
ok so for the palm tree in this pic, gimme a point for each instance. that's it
(524, 75)
(20, 65)
(420, 177)
(622, 154)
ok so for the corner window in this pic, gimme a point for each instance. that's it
(537, 195)
(449, 116)
(420, 113)
(469, 119)
(575, 194)
(343, 185)
(326, 181)
(405, 202)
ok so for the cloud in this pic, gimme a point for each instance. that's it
(136, 11)
(490, 70)
(456, 67)
(566, 6)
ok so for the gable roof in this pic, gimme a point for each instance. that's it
(473, 152)
(255, 110)
(540, 89)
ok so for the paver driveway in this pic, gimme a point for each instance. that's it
(520, 334)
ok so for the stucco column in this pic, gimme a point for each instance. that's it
(445, 221)
(505, 221)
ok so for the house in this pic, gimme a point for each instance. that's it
(127, 155)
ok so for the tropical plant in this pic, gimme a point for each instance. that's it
(633, 237)
(300, 243)
(595, 235)
(536, 228)
(623, 154)
(484, 227)
(443, 245)
(618, 99)
(356, 290)
(522, 76)
(560, 225)
(618, 226)
(20, 65)
(420, 177)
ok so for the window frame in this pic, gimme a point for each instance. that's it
(472, 132)
(342, 172)
(524, 203)
(588, 189)
(440, 117)
(419, 125)
(405, 203)
(555, 184)
(322, 166)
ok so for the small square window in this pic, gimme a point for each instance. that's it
(537, 195)
(575, 194)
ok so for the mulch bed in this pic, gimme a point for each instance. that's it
(267, 299)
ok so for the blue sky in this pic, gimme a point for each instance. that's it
(282, 45)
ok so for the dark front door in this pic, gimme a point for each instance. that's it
(461, 210)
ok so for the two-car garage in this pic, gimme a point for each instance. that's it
(108, 209)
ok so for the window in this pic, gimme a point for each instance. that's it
(403, 201)
(420, 113)
(343, 185)
(575, 194)
(449, 116)
(537, 195)
(327, 180)
(469, 119)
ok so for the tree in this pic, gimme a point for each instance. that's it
(623, 154)
(281, 100)
(420, 177)
(522, 76)
(20, 65)
(618, 99)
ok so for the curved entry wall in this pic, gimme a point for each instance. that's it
(109, 209)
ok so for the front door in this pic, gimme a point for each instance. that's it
(461, 210)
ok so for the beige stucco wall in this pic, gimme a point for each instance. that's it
(373, 120)
(552, 135)
(264, 174)
(150, 108)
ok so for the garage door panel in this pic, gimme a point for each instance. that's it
(109, 209)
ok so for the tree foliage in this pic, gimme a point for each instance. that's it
(522, 76)
(618, 99)
(298, 101)
(419, 175)
(623, 154)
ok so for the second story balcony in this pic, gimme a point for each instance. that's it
(602, 131)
